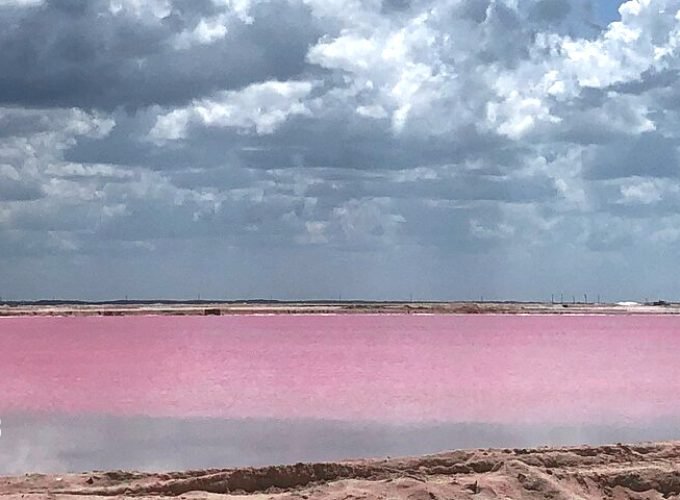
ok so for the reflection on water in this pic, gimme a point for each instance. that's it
(60, 443)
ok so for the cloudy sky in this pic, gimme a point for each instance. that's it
(444, 149)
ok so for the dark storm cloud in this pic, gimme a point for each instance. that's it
(77, 53)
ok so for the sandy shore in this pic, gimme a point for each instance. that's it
(206, 308)
(643, 471)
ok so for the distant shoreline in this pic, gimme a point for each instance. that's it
(208, 308)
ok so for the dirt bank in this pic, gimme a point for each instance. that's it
(644, 471)
(206, 308)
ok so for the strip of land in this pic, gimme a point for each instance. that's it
(206, 308)
(642, 471)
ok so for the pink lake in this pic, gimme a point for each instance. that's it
(383, 368)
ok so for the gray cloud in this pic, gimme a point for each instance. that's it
(649, 154)
(551, 10)
(17, 190)
(73, 53)
(306, 148)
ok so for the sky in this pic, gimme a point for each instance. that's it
(375, 149)
(606, 11)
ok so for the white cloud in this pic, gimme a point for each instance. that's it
(372, 111)
(315, 233)
(517, 115)
(261, 107)
(20, 3)
(147, 9)
(645, 192)
(241, 8)
(394, 69)
(206, 31)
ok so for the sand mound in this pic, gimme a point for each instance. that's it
(646, 471)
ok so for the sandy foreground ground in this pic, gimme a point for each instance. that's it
(641, 471)
(206, 308)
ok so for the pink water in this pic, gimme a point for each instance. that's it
(402, 368)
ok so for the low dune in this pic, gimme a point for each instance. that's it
(641, 471)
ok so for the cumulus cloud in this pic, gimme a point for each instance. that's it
(442, 148)
(260, 107)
